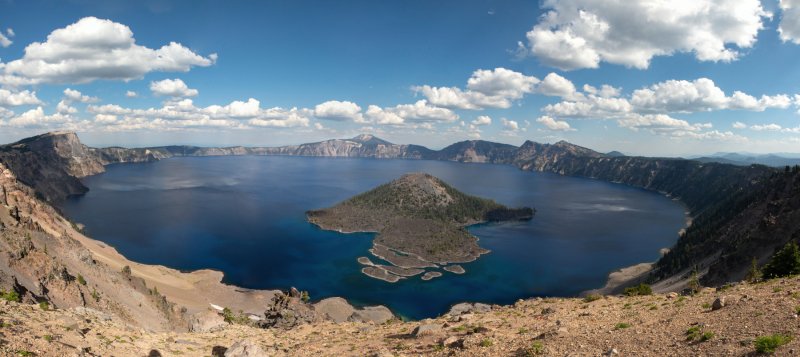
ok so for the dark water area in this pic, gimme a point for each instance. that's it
(245, 216)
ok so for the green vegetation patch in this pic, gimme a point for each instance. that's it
(622, 325)
(785, 262)
(592, 297)
(769, 344)
(639, 290)
(10, 296)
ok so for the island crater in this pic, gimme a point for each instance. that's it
(420, 223)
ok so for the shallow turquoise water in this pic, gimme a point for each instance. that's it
(245, 217)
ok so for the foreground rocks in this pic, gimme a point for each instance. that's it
(656, 325)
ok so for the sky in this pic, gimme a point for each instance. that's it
(650, 77)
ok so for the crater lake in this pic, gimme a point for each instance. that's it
(245, 216)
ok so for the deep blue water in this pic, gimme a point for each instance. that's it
(245, 217)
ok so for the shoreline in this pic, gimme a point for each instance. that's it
(195, 290)
(205, 278)
(634, 274)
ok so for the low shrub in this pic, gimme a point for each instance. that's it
(639, 290)
(768, 344)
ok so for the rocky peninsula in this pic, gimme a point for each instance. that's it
(420, 221)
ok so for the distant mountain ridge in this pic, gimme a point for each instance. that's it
(744, 159)
(715, 194)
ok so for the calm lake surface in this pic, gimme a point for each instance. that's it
(245, 216)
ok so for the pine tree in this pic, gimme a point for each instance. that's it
(784, 263)
(694, 282)
(754, 274)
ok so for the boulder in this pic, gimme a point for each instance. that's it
(426, 329)
(336, 309)
(478, 307)
(718, 303)
(459, 309)
(376, 314)
(453, 342)
(293, 292)
(245, 348)
(207, 321)
(218, 351)
(466, 308)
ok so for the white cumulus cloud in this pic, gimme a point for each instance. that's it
(509, 125)
(680, 96)
(63, 107)
(660, 123)
(557, 86)
(419, 112)
(672, 96)
(182, 113)
(767, 127)
(36, 118)
(554, 125)
(13, 98)
(379, 116)
(789, 27)
(496, 88)
(5, 41)
(172, 88)
(575, 34)
(93, 49)
(73, 95)
(482, 121)
(339, 111)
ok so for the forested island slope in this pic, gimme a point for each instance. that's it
(420, 221)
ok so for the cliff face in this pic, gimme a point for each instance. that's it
(478, 151)
(51, 164)
(44, 259)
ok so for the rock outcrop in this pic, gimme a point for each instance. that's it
(339, 310)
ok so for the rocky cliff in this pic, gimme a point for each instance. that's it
(51, 164)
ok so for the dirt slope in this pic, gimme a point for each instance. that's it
(658, 326)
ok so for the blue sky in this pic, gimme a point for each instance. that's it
(667, 78)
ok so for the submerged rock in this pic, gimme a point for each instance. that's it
(431, 275)
(455, 269)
